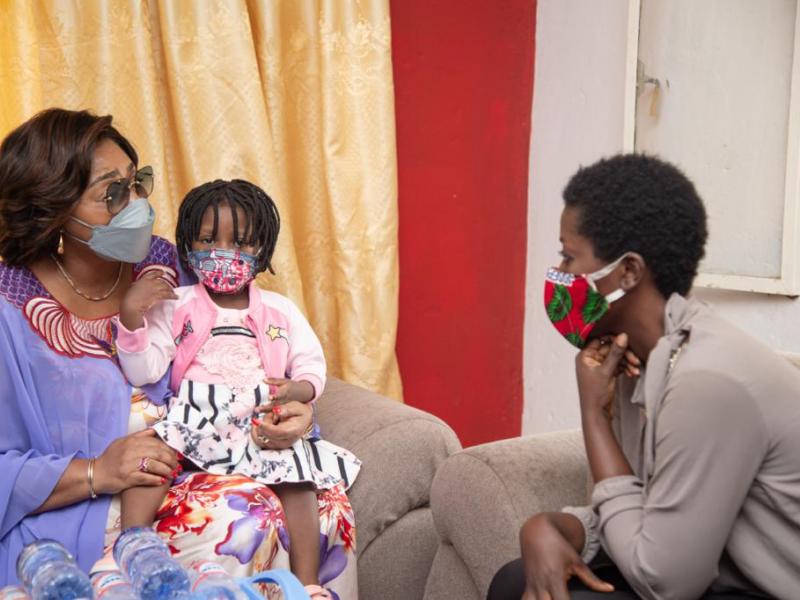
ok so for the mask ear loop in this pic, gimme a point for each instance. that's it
(605, 271)
(615, 295)
(81, 222)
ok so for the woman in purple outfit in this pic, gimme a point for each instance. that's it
(75, 232)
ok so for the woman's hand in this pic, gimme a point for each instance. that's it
(141, 296)
(290, 423)
(118, 468)
(550, 561)
(630, 364)
(596, 368)
(286, 390)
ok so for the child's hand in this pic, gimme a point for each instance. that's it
(295, 421)
(286, 390)
(271, 414)
(141, 296)
(283, 391)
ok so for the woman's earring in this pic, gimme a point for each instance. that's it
(60, 249)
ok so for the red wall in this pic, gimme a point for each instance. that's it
(463, 76)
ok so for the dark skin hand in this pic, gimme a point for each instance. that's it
(115, 470)
(550, 543)
(142, 295)
(286, 390)
(293, 420)
(596, 368)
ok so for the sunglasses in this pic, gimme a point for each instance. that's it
(118, 193)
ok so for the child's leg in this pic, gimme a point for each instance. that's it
(140, 504)
(302, 519)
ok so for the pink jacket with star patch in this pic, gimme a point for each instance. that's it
(175, 330)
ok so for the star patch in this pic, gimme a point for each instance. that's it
(277, 332)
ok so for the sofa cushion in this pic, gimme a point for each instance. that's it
(397, 562)
(452, 580)
(483, 494)
(400, 447)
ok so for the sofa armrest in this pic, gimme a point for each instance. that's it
(482, 495)
(400, 448)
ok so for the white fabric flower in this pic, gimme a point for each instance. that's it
(239, 364)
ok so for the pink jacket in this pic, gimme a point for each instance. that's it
(175, 330)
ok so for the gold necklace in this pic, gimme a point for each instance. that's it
(673, 356)
(78, 291)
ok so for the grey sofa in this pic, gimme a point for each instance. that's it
(482, 495)
(401, 449)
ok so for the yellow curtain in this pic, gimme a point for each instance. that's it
(295, 95)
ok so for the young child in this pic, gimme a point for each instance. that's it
(237, 354)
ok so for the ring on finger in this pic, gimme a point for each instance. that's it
(263, 440)
(144, 464)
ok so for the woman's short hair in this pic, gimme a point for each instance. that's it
(261, 228)
(45, 165)
(639, 203)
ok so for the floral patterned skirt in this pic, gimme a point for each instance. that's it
(240, 524)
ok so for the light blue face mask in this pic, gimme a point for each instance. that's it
(126, 237)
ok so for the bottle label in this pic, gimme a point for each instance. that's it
(204, 569)
(104, 581)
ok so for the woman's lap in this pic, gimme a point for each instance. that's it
(240, 524)
(509, 583)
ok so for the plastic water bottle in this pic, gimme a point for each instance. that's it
(145, 560)
(48, 572)
(112, 585)
(210, 581)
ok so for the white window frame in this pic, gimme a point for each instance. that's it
(788, 283)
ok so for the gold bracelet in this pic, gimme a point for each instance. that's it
(309, 430)
(90, 477)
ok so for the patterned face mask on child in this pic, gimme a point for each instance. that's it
(223, 271)
(573, 304)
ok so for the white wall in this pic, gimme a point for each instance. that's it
(577, 118)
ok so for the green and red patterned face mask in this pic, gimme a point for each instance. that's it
(573, 303)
